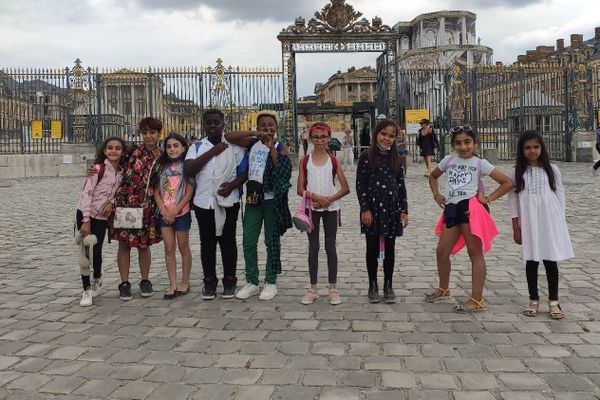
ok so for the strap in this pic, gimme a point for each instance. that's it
(304, 166)
(101, 170)
(148, 183)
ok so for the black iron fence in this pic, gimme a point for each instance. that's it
(42, 109)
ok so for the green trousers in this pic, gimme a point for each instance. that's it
(253, 221)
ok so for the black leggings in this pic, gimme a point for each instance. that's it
(597, 165)
(330, 219)
(98, 228)
(531, 268)
(373, 253)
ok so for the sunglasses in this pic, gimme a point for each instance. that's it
(461, 128)
(316, 138)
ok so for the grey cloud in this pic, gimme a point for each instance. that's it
(482, 4)
(245, 10)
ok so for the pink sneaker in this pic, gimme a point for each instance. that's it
(309, 296)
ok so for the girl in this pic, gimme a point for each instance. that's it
(464, 215)
(269, 173)
(348, 148)
(428, 142)
(383, 205)
(537, 208)
(317, 177)
(172, 195)
(95, 206)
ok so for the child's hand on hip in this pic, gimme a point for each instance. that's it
(404, 219)
(366, 217)
(517, 236)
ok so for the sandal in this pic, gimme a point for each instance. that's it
(532, 309)
(555, 310)
(439, 294)
(463, 308)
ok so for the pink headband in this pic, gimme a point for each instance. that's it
(322, 127)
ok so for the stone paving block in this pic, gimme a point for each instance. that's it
(419, 364)
(95, 370)
(462, 365)
(32, 365)
(200, 376)
(504, 365)
(429, 395)
(172, 391)
(395, 349)
(213, 392)
(135, 390)
(280, 377)
(319, 378)
(586, 350)
(63, 367)
(98, 387)
(523, 381)
(358, 379)
(236, 376)
(291, 348)
(62, 385)
(293, 392)
(166, 374)
(473, 396)
(340, 363)
(233, 361)
(382, 363)
(308, 362)
(130, 372)
(516, 395)
(254, 392)
(470, 381)
(339, 394)
(567, 382)
(438, 381)
(328, 348)
(269, 361)
(541, 365)
(552, 351)
(398, 380)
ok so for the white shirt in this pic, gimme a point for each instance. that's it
(319, 180)
(204, 196)
(462, 176)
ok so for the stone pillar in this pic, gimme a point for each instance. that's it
(358, 89)
(463, 29)
(421, 39)
(441, 39)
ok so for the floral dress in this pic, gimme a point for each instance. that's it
(131, 193)
(381, 191)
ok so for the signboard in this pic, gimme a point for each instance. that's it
(36, 129)
(413, 117)
(56, 129)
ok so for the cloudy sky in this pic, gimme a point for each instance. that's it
(121, 33)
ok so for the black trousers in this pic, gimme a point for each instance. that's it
(373, 253)
(330, 220)
(208, 243)
(98, 228)
(531, 268)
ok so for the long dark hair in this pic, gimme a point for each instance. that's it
(164, 157)
(521, 164)
(374, 151)
(100, 156)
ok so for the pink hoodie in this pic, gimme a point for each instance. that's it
(481, 223)
(94, 194)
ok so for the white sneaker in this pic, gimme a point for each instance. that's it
(86, 298)
(310, 296)
(247, 291)
(268, 292)
(96, 285)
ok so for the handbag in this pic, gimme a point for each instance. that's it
(254, 193)
(302, 219)
(132, 217)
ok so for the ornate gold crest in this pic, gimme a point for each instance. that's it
(337, 16)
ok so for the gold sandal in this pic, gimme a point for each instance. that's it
(555, 310)
(532, 309)
(462, 307)
(439, 294)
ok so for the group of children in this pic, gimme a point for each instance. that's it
(212, 172)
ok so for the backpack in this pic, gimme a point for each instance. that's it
(101, 170)
(304, 167)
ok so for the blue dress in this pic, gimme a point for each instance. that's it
(382, 191)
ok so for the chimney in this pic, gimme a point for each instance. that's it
(560, 45)
(576, 40)
(597, 33)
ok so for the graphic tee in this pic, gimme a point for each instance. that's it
(462, 176)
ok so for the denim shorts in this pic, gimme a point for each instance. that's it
(181, 223)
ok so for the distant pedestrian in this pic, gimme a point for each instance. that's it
(365, 138)
(466, 219)
(402, 151)
(597, 164)
(316, 181)
(537, 208)
(172, 195)
(428, 142)
(383, 205)
(93, 210)
(304, 140)
(348, 149)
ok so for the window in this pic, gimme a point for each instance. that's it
(543, 123)
(140, 108)
(127, 107)
(349, 88)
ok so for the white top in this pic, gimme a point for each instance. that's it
(319, 180)
(205, 196)
(541, 213)
(257, 162)
(462, 176)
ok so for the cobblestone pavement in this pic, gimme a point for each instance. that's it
(51, 348)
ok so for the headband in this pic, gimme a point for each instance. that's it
(321, 126)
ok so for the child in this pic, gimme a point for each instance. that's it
(383, 206)
(172, 195)
(95, 206)
(348, 148)
(537, 208)
(269, 173)
(220, 169)
(317, 177)
(464, 220)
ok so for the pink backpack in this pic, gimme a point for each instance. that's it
(302, 218)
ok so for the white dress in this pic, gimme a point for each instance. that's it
(541, 213)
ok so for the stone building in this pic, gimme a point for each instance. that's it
(354, 85)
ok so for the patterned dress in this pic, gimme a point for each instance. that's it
(131, 193)
(382, 191)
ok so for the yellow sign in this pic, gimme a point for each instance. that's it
(56, 129)
(344, 103)
(36, 129)
(413, 117)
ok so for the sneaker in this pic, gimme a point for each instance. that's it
(229, 292)
(125, 291)
(334, 297)
(86, 298)
(146, 288)
(309, 296)
(247, 291)
(209, 292)
(96, 285)
(594, 171)
(268, 292)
